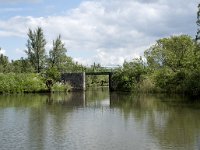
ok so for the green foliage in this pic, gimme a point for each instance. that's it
(100, 80)
(192, 84)
(164, 79)
(97, 80)
(172, 66)
(71, 66)
(175, 53)
(20, 83)
(21, 66)
(36, 49)
(129, 76)
(173, 63)
(59, 62)
(57, 56)
(33, 83)
(4, 63)
(50, 69)
(61, 87)
(147, 85)
(53, 73)
(28, 83)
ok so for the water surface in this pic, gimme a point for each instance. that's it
(98, 120)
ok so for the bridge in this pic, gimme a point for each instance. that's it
(77, 80)
(98, 73)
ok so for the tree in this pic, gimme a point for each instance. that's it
(198, 23)
(171, 61)
(36, 49)
(57, 56)
(4, 63)
(175, 52)
(56, 60)
(130, 75)
(21, 66)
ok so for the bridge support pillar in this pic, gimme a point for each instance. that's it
(76, 80)
(110, 82)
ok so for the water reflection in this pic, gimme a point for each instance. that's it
(172, 120)
(98, 97)
(74, 99)
(97, 119)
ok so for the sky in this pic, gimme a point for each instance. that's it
(101, 31)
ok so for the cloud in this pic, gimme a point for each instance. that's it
(3, 51)
(110, 30)
(19, 51)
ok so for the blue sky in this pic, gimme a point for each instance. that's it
(36, 8)
(101, 31)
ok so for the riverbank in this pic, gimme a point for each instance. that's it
(28, 83)
(171, 65)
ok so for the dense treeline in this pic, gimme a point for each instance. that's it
(171, 65)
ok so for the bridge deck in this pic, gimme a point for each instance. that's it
(98, 73)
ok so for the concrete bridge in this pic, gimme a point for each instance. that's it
(77, 80)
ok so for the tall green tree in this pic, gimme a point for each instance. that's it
(198, 23)
(36, 49)
(57, 55)
(56, 60)
(175, 52)
(4, 63)
(171, 61)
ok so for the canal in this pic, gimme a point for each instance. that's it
(98, 120)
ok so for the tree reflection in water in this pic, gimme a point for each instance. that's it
(172, 120)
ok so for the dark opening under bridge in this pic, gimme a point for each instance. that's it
(77, 80)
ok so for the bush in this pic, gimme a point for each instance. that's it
(20, 83)
(148, 86)
(61, 87)
(192, 84)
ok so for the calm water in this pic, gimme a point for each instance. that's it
(99, 120)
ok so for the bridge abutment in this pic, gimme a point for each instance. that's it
(76, 80)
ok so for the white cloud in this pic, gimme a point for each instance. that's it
(3, 51)
(20, 51)
(112, 30)
(6, 33)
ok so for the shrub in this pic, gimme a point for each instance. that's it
(148, 86)
(61, 87)
(20, 83)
